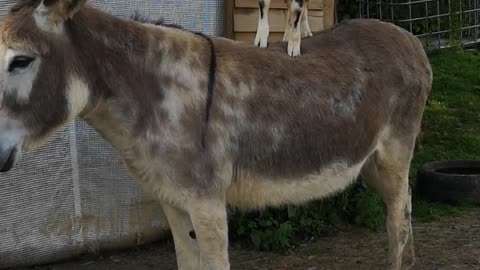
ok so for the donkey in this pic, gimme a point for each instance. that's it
(204, 122)
(297, 25)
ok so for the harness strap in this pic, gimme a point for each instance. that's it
(211, 86)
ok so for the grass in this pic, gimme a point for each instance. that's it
(451, 122)
(450, 130)
(426, 211)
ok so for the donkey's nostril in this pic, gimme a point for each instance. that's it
(7, 166)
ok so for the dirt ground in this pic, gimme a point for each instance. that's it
(451, 243)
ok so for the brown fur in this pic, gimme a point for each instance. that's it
(281, 130)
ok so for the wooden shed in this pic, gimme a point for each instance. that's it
(241, 18)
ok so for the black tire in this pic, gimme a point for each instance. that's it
(452, 181)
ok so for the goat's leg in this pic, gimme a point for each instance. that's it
(296, 11)
(305, 27)
(387, 172)
(209, 218)
(186, 247)
(263, 29)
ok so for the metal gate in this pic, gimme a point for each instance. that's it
(438, 23)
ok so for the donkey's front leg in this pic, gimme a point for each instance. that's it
(296, 10)
(209, 218)
(263, 29)
(186, 247)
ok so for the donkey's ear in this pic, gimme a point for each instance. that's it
(51, 13)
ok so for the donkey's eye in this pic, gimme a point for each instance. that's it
(20, 62)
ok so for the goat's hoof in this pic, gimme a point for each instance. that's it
(307, 34)
(261, 42)
(261, 39)
(294, 49)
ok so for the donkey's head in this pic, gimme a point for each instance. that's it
(39, 89)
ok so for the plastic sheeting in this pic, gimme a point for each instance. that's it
(74, 195)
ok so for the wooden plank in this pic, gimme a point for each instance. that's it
(250, 37)
(228, 22)
(246, 20)
(316, 5)
(277, 4)
(329, 14)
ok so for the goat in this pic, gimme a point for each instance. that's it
(297, 25)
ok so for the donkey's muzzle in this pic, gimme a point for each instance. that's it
(7, 159)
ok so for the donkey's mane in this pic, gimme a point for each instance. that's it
(21, 4)
(160, 21)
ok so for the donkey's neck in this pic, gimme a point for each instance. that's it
(135, 72)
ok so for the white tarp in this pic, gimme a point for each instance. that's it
(74, 195)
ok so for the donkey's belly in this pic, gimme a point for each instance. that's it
(249, 190)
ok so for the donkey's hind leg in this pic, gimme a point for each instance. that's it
(292, 33)
(263, 29)
(387, 171)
